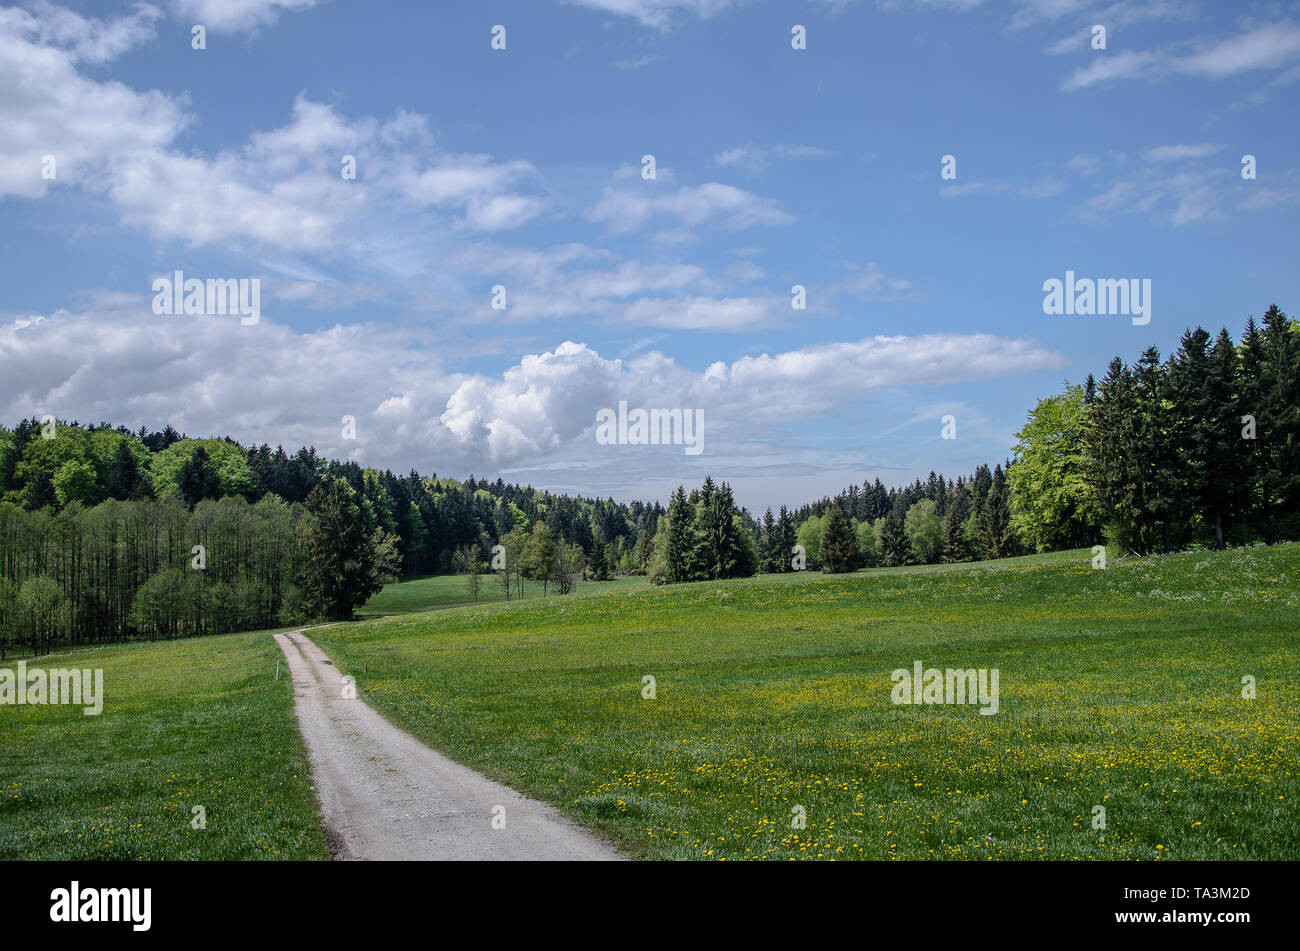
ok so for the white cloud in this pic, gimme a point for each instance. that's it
(498, 212)
(1271, 46)
(204, 201)
(462, 177)
(1030, 12)
(1089, 165)
(1119, 14)
(641, 62)
(725, 206)
(958, 6)
(574, 280)
(280, 189)
(267, 382)
(51, 109)
(1180, 199)
(1178, 153)
(658, 13)
(1033, 190)
(756, 158)
(90, 40)
(1125, 64)
(232, 16)
(871, 283)
(706, 313)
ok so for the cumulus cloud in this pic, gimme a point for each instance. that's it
(52, 109)
(282, 188)
(91, 40)
(211, 375)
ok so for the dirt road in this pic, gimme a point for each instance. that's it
(386, 795)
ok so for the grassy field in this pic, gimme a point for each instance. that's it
(1119, 688)
(434, 592)
(185, 723)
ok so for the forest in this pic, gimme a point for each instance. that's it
(108, 534)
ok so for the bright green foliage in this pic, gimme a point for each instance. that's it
(220, 467)
(924, 531)
(1051, 507)
(810, 537)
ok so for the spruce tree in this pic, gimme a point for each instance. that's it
(723, 542)
(786, 531)
(680, 547)
(1281, 422)
(340, 569)
(995, 518)
(199, 479)
(1195, 419)
(123, 480)
(839, 549)
(768, 546)
(1250, 402)
(954, 547)
(1227, 472)
(1151, 458)
(599, 561)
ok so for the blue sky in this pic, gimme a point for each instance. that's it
(522, 168)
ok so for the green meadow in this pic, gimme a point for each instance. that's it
(1120, 688)
(434, 592)
(198, 722)
(771, 732)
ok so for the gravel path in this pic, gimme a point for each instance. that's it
(385, 795)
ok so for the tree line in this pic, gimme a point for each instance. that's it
(158, 569)
(964, 519)
(99, 526)
(108, 534)
(1201, 448)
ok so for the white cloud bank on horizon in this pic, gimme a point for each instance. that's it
(269, 383)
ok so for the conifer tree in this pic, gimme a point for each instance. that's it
(839, 548)
(787, 531)
(769, 545)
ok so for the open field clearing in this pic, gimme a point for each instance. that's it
(191, 722)
(432, 592)
(1119, 688)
